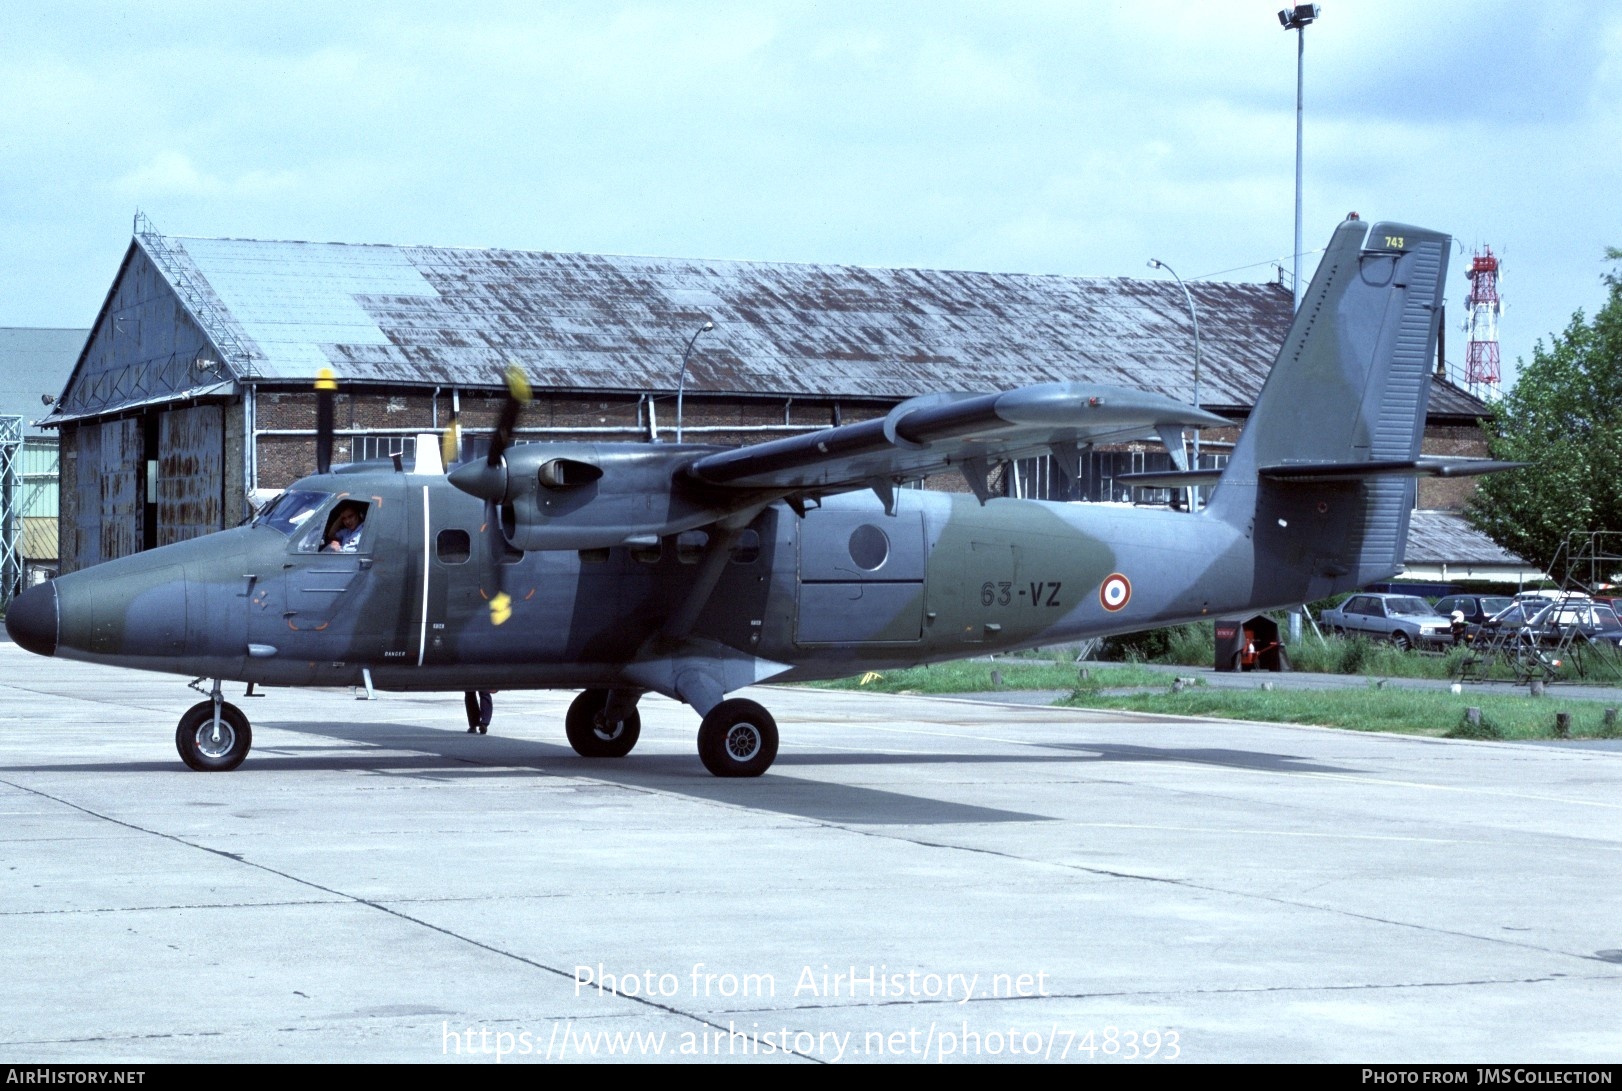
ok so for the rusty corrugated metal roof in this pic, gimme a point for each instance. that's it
(438, 316)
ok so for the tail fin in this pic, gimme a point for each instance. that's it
(1322, 475)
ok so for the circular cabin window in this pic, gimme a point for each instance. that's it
(869, 548)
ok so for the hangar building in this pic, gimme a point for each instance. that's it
(192, 396)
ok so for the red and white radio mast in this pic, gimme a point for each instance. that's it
(1481, 359)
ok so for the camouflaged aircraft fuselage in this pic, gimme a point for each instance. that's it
(694, 571)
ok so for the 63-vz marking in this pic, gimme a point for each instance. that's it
(1001, 593)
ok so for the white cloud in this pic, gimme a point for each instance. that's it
(173, 174)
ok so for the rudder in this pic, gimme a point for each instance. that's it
(1317, 475)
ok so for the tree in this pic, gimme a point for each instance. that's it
(1564, 418)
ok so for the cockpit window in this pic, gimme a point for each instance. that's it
(291, 510)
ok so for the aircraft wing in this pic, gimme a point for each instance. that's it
(592, 496)
(970, 433)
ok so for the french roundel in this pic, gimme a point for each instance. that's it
(1115, 592)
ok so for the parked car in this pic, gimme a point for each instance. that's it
(1514, 616)
(1408, 621)
(1546, 621)
(1595, 622)
(1475, 608)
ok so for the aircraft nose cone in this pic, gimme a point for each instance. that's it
(31, 619)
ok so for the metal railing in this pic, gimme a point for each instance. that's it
(208, 317)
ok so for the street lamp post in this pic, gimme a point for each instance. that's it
(1156, 263)
(1296, 19)
(681, 379)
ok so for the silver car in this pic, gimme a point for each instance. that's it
(1408, 621)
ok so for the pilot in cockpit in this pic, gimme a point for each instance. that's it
(344, 533)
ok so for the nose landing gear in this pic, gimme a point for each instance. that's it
(213, 746)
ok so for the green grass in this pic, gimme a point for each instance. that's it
(974, 676)
(1433, 713)
(1408, 712)
(1376, 659)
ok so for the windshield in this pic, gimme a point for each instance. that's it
(1408, 606)
(1586, 614)
(289, 511)
(1516, 614)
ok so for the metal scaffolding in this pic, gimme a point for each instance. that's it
(11, 498)
(1590, 562)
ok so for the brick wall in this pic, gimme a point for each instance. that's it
(1450, 493)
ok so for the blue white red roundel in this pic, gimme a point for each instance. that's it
(1115, 592)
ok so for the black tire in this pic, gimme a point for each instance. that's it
(590, 736)
(737, 739)
(1401, 641)
(194, 738)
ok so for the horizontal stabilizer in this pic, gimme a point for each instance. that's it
(1171, 479)
(1307, 472)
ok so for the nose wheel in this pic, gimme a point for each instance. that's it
(211, 748)
(737, 739)
(593, 734)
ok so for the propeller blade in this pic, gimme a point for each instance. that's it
(326, 388)
(518, 393)
(500, 602)
(490, 482)
(450, 444)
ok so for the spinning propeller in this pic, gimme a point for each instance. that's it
(486, 480)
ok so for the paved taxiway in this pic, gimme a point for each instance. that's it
(375, 884)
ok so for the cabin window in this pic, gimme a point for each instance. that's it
(342, 530)
(690, 546)
(869, 547)
(454, 546)
(746, 549)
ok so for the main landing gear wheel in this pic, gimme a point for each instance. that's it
(592, 736)
(737, 739)
(206, 750)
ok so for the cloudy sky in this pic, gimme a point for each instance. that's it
(1043, 137)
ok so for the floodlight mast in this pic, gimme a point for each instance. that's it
(1296, 19)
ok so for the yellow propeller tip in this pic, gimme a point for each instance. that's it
(518, 383)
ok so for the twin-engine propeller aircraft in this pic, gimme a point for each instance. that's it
(693, 571)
